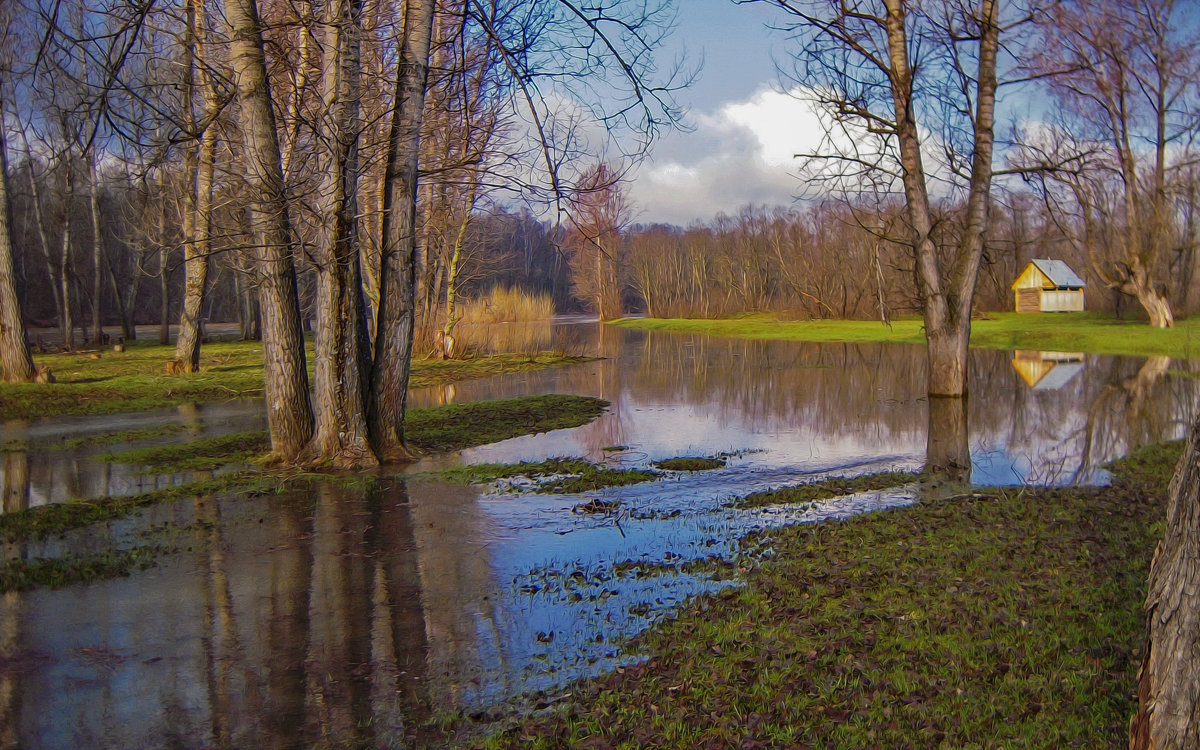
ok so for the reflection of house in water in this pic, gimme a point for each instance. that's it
(1047, 371)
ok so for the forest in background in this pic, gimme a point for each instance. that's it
(102, 183)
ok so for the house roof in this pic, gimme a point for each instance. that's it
(1059, 273)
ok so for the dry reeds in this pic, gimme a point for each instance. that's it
(506, 305)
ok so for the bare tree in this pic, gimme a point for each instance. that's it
(890, 74)
(1128, 118)
(600, 212)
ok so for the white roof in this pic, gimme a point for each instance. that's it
(1059, 273)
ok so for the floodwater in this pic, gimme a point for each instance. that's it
(352, 617)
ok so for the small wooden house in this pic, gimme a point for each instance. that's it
(1048, 286)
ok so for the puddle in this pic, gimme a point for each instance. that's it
(292, 619)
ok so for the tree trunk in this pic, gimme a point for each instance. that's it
(289, 412)
(394, 327)
(16, 364)
(339, 384)
(1168, 713)
(197, 217)
(948, 448)
(97, 249)
(39, 219)
(67, 325)
(164, 288)
(946, 294)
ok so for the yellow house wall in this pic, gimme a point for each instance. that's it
(1032, 278)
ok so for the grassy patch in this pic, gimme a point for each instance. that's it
(44, 520)
(197, 455)
(1007, 619)
(1070, 332)
(56, 572)
(448, 428)
(689, 463)
(825, 489)
(136, 379)
(554, 476)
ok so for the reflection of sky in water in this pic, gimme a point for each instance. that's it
(285, 619)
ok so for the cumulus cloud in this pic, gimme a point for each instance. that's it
(744, 152)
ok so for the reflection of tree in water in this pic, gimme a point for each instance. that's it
(1126, 414)
(948, 450)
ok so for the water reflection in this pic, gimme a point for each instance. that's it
(352, 616)
(948, 451)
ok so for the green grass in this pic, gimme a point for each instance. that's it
(56, 572)
(135, 379)
(1009, 618)
(56, 518)
(825, 489)
(689, 463)
(1071, 332)
(553, 476)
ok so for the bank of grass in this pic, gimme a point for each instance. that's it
(1007, 618)
(136, 379)
(56, 572)
(825, 489)
(1070, 332)
(552, 476)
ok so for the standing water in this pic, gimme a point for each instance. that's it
(354, 616)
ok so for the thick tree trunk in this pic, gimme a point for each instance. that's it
(394, 326)
(16, 364)
(289, 413)
(1168, 713)
(948, 448)
(339, 379)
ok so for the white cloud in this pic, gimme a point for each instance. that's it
(745, 152)
(742, 153)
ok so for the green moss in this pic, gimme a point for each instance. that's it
(55, 572)
(825, 489)
(689, 463)
(554, 476)
(1071, 332)
(1009, 618)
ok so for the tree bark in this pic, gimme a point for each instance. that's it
(289, 413)
(198, 212)
(394, 326)
(1168, 713)
(342, 360)
(16, 364)
(67, 325)
(97, 248)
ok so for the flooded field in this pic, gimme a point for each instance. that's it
(354, 616)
